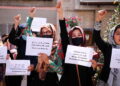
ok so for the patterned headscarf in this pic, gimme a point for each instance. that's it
(114, 76)
(81, 30)
(111, 37)
(52, 27)
(55, 57)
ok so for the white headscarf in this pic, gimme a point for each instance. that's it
(114, 76)
(111, 37)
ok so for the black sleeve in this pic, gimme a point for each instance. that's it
(64, 35)
(13, 36)
(34, 60)
(102, 45)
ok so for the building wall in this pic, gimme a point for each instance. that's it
(10, 8)
(28, 3)
(47, 9)
(85, 12)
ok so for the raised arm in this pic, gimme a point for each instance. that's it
(32, 12)
(63, 33)
(97, 29)
(15, 32)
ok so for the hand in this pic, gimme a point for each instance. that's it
(59, 2)
(17, 20)
(32, 12)
(60, 9)
(100, 15)
(43, 57)
(31, 68)
(94, 64)
(8, 56)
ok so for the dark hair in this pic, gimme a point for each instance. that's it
(76, 29)
(5, 38)
(118, 26)
(20, 29)
(70, 33)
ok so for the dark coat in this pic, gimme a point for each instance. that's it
(17, 40)
(70, 76)
(106, 50)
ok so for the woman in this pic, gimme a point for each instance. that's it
(17, 37)
(109, 76)
(49, 66)
(74, 75)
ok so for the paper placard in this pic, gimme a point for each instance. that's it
(79, 55)
(3, 54)
(37, 23)
(115, 58)
(17, 67)
(36, 45)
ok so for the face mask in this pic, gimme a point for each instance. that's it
(47, 36)
(77, 41)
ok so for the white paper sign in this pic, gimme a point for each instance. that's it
(17, 67)
(3, 54)
(36, 45)
(37, 23)
(115, 58)
(79, 55)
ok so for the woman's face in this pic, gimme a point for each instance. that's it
(76, 33)
(46, 31)
(117, 36)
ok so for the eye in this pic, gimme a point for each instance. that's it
(117, 33)
(73, 36)
(80, 35)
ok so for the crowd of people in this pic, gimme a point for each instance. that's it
(45, 68)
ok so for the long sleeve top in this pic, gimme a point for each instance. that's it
(106, 50)
(70, 74)
(55, 61)
(21, 43)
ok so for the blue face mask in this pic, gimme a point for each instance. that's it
(24, 37)
(77, 41)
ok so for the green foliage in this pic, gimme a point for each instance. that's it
(114, 20)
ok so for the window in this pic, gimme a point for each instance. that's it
(26, 0)
(95, 2)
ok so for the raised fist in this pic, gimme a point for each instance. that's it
(17, 20)
(32, 11)
(100, 15)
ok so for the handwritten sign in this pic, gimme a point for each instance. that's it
(115, 58)
(3, 54)
(37, 23)
(79, 55)
(36, 45)
(17, 67)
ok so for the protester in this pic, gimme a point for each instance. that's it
(109, 76)
(74, 75)
(17, 37)
(2, 66)
(4, 43)
(49, 66)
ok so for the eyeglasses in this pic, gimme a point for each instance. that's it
(47, 33)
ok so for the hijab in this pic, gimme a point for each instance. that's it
(81, 30)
